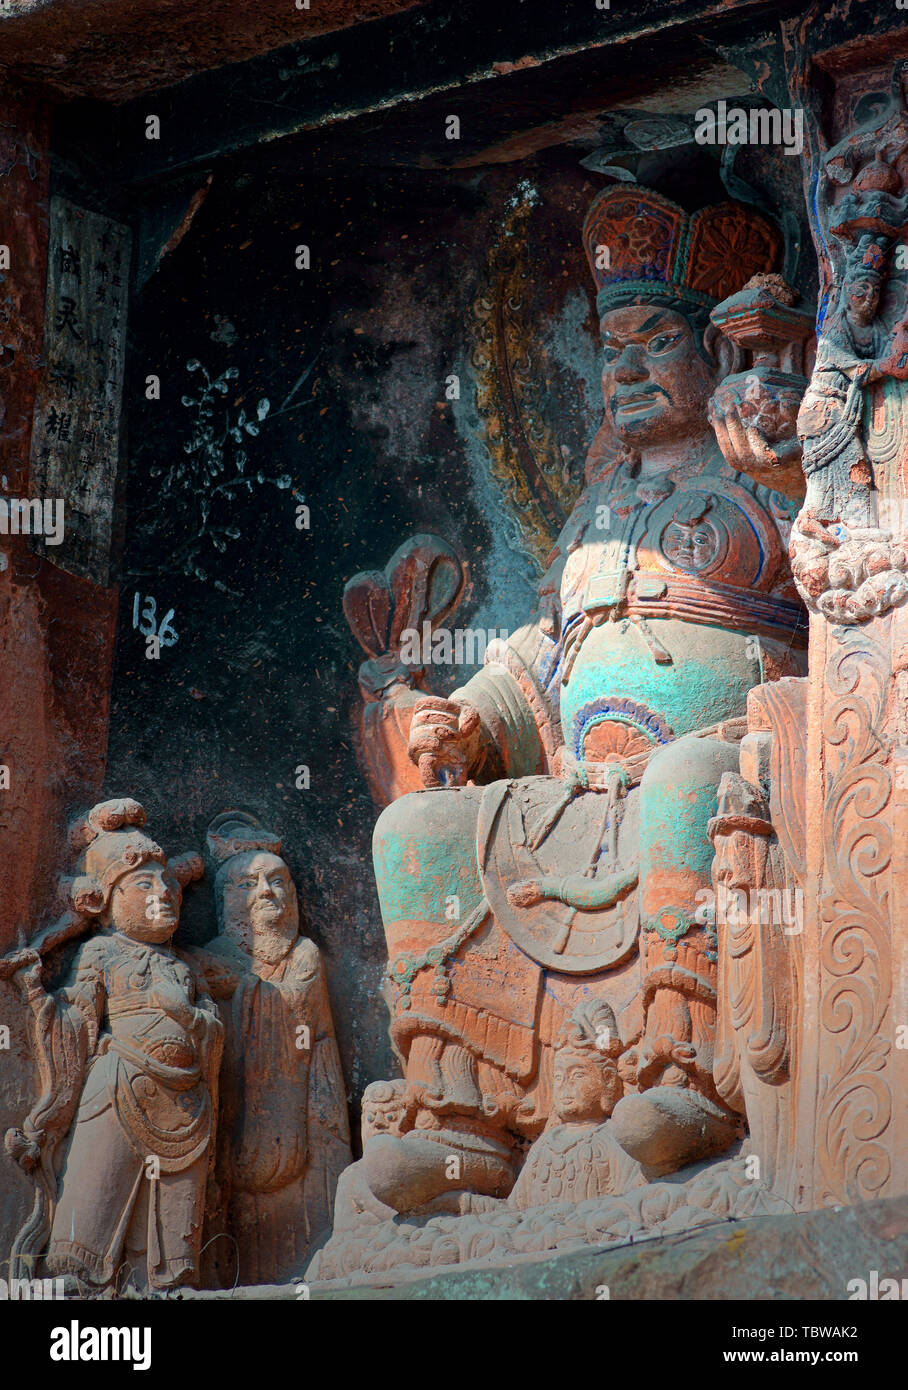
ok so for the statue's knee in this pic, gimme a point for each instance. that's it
(396, 816)
(427, 815)
(678, 795)
(424, 851)
(690, 762)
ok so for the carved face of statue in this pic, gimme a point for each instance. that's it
(586, 1088)
(145, 903)
(382, 1117)
(690, 545)
(259, 906)
(863, 300)
(655, 383)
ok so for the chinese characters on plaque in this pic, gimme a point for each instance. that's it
(75, 442)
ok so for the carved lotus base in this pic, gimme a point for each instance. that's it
(500, 1234)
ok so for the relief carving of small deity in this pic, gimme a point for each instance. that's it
(830, 419)
(849, 556)
(577, 1157)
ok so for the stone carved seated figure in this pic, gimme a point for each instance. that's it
(561, 847)
(129, 1049)
(576, 1159)
(577, 1156)
(284, 1136)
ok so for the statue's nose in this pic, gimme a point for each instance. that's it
(630, 367)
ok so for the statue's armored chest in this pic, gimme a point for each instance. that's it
(662, 614)
(718, 532)
(712, 531)
(139, 977)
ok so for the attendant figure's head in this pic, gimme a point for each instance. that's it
(254, 891)
(125, 880)
(587, 1086)
(863, 284)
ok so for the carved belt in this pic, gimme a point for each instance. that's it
(650, 594)
(722, 605)
(176, 1078)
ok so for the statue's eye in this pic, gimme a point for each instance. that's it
(609, 352)
(663, 342)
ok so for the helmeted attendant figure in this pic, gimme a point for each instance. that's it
(129, 1049)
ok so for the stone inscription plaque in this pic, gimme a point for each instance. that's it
(76, 436)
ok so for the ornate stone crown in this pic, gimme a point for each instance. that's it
(656, 250)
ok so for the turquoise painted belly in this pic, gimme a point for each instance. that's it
(616, 680)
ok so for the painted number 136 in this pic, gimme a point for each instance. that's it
(157, 634)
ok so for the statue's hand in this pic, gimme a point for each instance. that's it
(444, 741)
(755, 424)
(23, 967)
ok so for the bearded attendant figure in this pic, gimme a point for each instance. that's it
(285, 1135)
(129, 1049)
(561, 846)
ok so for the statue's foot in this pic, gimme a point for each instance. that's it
(74, 1287)
(77, 1279)
(406, 1173)
(670, 1126)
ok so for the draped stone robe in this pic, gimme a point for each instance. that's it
(285, 1135)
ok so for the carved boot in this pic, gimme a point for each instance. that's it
(676, 1117)
(423, 1166)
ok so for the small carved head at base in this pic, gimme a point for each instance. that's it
(384, 1109)
(587, 1086)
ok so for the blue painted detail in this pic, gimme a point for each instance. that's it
(821, 312)
(756, 535)
(550, 665)
(625, 711)
(814, 190)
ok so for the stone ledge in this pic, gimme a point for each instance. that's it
(784, 1258)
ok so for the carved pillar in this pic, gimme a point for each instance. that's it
(849, 556)
(853, 1081)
